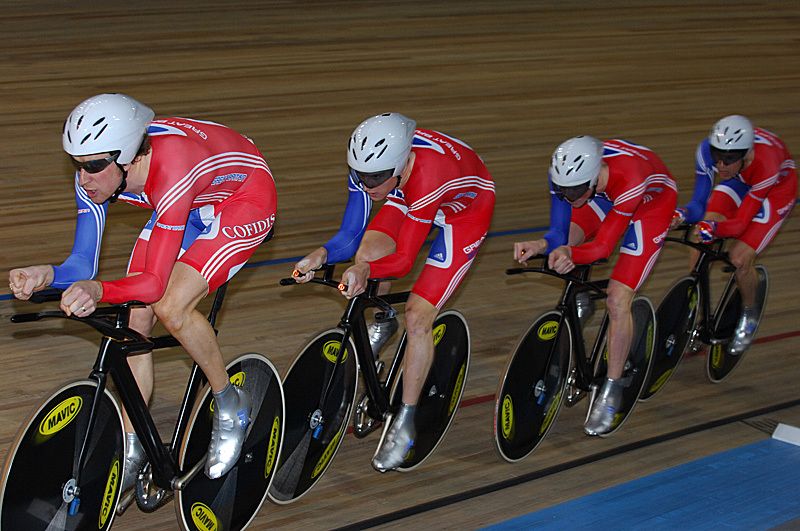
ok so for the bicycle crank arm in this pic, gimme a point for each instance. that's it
(181, 482)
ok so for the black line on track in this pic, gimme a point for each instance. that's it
(549, 471)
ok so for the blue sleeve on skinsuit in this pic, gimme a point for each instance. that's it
(704, 182)
(560, 216)
(82, 262)
(344, 243)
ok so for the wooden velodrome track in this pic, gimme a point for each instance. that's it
(512, 79)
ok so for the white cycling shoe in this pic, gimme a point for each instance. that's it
(228, 431)
(397, 441)
(745, 330)
(604, 408)
(380, 333)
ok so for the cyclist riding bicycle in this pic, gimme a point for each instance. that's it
(756, 193)
(427, 178)
(601, 192)
(214, 202)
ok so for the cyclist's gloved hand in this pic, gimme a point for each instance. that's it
(678, 217)
(706, 230)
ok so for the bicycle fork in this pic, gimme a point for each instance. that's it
(71, 490)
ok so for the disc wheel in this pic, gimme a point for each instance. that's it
(443, 388)
(720, 362)
(233, 500)
(676, 318)
(315, 430)
(639, 362)
(41, 470)
(531, 391)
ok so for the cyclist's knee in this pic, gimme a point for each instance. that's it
(171, 313)
(618, 301)
(420, 315)
(742, 256)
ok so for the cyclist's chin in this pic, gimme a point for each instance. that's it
(579, 203)
(377, 196)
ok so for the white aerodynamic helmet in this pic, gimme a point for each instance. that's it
(577, 161)
(734, 132)
(106, 123)
(381, 143)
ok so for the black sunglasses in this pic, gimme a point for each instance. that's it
(95, 166)
(571, 193)
(371, 180)
(727, 157)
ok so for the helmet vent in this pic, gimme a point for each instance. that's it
(85, 138)
(100, 132)
(368, 157)
(381, 153)
(98, 122)
(79, 121)
(355, 156)
(363, 142)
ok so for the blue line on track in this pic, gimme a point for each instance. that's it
(293, 259)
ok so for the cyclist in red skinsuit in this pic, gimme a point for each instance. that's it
(428, 179)
(756, 193)
(635, 198)
(214, 202)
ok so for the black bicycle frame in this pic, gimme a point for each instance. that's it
(709, 253)
(353, 324)
(575, 280)
(118, 342)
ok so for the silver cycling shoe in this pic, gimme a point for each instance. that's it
(745, 331)
(228, 431)
(604, 408)
(379, 334)
(396, 442)
(135, 457)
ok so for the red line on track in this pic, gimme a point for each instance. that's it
(489, 398)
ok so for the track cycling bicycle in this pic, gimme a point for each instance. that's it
(688, 302)
(550, 366)
(321, 387)
(64, 469)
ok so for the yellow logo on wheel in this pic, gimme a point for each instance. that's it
(661, 381)
(716, 356)
(238, 379)
(692, 299)
(551, 414)
(507, 420)
(108, 494)
(60, 416)
(328, 453)
(548, 330)
(203, 517)
(438, 333)
(272, 449)
(331, 350)
(457, 389)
